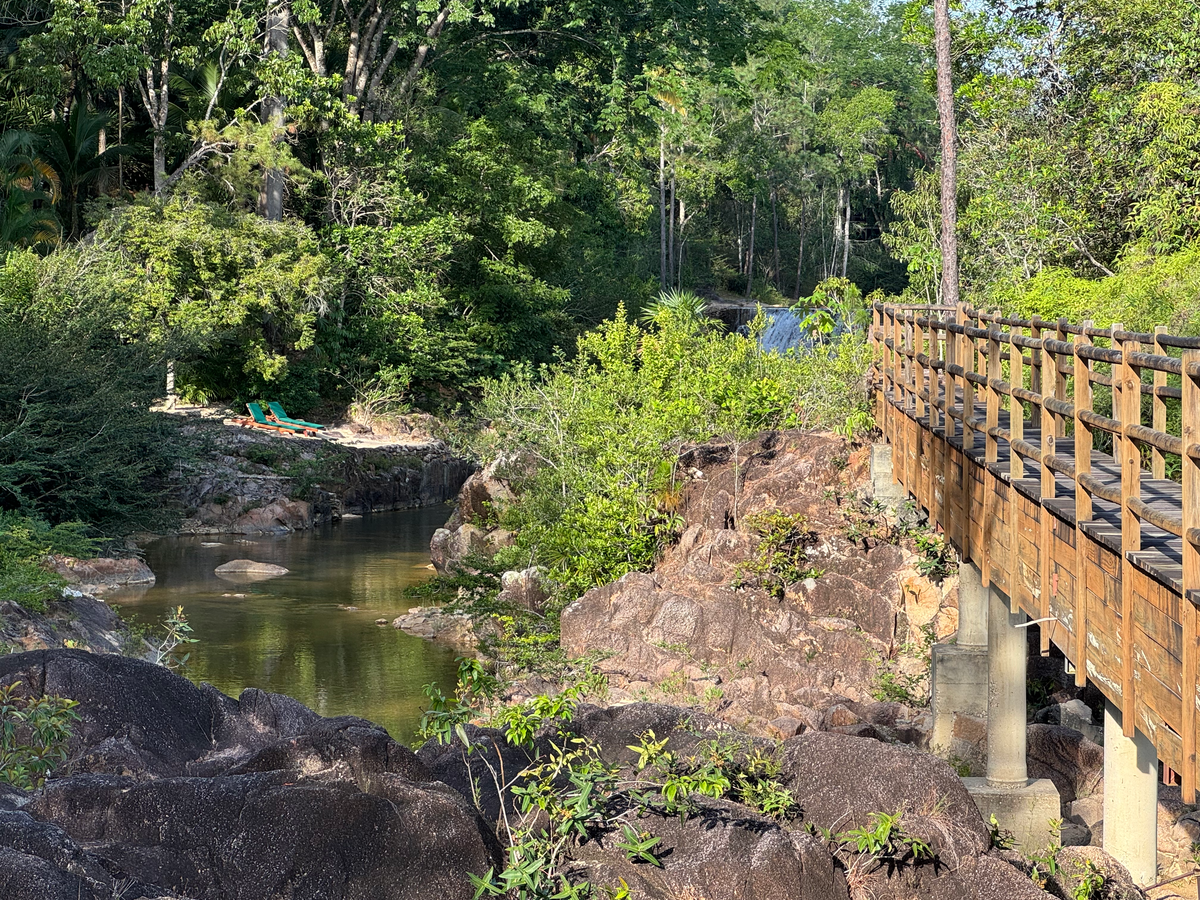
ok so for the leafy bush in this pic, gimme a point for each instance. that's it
(77, 439)
(603, 433)
(24, 544)
(569, 795)
(33, 736)
(782, 553)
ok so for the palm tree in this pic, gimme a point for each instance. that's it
(682, 304)
(72, 146)
(29, 188)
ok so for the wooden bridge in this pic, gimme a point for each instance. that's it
(1064, 461)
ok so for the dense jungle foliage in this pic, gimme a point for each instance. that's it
(391, 203)
(327, 200)
(1079, 163)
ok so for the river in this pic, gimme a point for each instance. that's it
(295, 634)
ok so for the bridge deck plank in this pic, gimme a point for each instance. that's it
(1161, 554)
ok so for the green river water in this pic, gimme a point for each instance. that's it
(292, 634)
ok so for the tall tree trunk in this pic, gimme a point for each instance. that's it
(831, 265)
(121, 138)
(750, 254)
(800, 255)
(662, 209)
(419, 58)
(671, 230)
(276, 44)
(679, 253)
(775, 237)
(846, 237)
(160, 159)
(949, 129)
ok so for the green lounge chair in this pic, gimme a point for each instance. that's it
(284, 418)
(260, 420)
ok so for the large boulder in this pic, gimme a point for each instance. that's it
(198, 794)
(473, 528)
(78, 618)
(159, 720)
(102, 573)
(262, 835)
(1078, 863)
(1066, 757)
(840, 780)
(701, 629)
(720, 852)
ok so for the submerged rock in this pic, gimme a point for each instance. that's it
(251, 568)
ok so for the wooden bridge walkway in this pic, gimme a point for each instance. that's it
(1052, 483)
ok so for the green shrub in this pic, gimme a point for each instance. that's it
(782, 554)
(77, 439)
(24, 544)
(33, 736)
(605, 431)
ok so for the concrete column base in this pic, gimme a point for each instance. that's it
(1130, 798)
(959, 684)
(1025, 810)
(883, 488)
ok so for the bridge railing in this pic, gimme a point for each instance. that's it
(1042, 404)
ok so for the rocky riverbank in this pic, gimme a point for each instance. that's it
(244, 481)
(177, 791)
(836, 635)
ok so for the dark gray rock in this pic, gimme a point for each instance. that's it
(192, 793)
(347, 747)
(1066, 757)
(474, 772)
(252, 837)
(839, 780)
(141, 715)
(719, 853)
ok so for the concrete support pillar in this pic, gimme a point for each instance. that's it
(1007, 655)
(1130, 798)
(959, 671)
(972, 607)
(1021, 806)
(884, 487)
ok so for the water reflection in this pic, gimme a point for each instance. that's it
(295, 634)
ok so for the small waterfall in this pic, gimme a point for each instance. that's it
(783, 332)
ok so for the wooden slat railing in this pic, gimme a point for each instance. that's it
(1025, 441)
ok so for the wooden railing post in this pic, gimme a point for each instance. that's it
(1016, 467)
(913, 447)
(968, 364)
(1016, 409)
(1191, 568)
(949, 383)
(966, 359)
(1127, 409)
(1046, 422)
(898, 403)
(991, 444)
(1158, 405)
(1035, 356)
(920, 379)
(1083, 500)
(1060, 379)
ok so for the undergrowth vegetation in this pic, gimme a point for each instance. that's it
(571, 794)
(33, 736)
(24, 543)
(591, 446)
